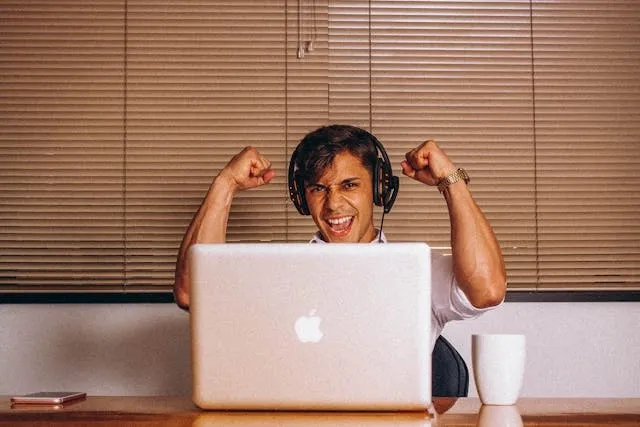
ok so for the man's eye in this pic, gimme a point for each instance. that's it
(316, 188)
(350, 185)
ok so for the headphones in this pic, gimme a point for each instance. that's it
(385, 183)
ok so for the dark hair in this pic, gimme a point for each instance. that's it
(317, 149)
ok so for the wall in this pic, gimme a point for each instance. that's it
(574, 349)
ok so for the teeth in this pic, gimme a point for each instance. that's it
(339, 220)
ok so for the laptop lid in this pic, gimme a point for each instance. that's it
(311, 327)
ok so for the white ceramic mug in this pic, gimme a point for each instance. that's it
(498, 367)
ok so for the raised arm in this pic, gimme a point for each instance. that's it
(477, 259)
(247, 169)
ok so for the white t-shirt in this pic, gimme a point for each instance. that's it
(448, 301)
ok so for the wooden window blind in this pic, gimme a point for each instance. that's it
(586, 63)
(61, 139)
(115, 116)
(460, 73)
(204, 79)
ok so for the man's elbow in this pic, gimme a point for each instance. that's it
(490, 300)
(181, 297)
(491, 293)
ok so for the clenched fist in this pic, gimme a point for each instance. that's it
(247, 169)
(427, 163)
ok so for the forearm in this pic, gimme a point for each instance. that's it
(477, 259)
(209, 225)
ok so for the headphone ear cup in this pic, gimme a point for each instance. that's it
(299, 200)
(383, 183)
(385, 189)
(378, 183)
(392, 193)
(296, 186)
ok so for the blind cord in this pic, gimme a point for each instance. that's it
(300, 53)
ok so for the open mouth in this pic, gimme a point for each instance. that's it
(341, 226)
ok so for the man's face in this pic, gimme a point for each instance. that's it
(341, 202)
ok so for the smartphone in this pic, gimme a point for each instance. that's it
(48, 397)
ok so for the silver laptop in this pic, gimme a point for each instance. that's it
(311, 326)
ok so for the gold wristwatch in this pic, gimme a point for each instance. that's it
(453, 177)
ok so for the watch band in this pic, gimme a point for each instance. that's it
(453, 177)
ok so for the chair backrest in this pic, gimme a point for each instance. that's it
(450, 376)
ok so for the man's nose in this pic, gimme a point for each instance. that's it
(333, 200)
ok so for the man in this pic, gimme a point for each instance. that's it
(336, 164)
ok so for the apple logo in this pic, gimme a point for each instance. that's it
(308, 328)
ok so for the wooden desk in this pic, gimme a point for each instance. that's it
(180, 411)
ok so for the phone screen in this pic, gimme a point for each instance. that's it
(53, 394)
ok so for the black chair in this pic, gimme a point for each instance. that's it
(450, 376)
